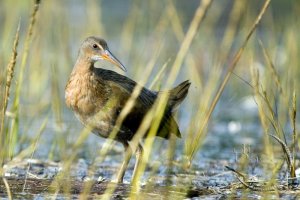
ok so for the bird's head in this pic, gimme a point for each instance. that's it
(95, 49)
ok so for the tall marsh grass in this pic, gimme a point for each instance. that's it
(5, 138)
(228, 50)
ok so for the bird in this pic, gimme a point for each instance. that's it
(97, 97)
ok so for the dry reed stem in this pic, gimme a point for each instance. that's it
(41, 130)
(271, 66)
(156, 118)
(273, 119)
(159, 75)
(232, 27)
(256, 188)
(26, 50)
(9, 76)
(56, 100)
(258, 98)
(251, 187)
(125, 111)
(174, 19)
(274, 122)
(15, 108)
(196, 76)
(186, 43)
(259, 91)
(60, 178)
(156, 112)
(129, 105)
(237, 172)
(7, 189)
(295, 136)
(229, 71)
(287, 154)
(11, 69)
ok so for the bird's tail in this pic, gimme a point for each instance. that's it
(178, 94)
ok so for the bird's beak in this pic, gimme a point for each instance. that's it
(111, 58)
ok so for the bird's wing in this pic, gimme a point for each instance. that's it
(122, 88)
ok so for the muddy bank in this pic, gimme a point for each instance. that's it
(36, 179)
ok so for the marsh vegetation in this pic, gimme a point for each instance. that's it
(239, 122)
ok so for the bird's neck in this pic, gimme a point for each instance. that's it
(83, 65)
(80, 91)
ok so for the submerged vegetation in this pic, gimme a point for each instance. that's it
(239, 122)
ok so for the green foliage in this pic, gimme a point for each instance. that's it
(160, 43)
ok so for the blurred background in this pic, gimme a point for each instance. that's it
(143, 32)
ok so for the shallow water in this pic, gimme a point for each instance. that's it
(234, 130)
(227, 141)
(207, 180)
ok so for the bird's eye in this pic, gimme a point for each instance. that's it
(95, 46)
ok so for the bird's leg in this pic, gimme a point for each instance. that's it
(128, 154)
(139, 158)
